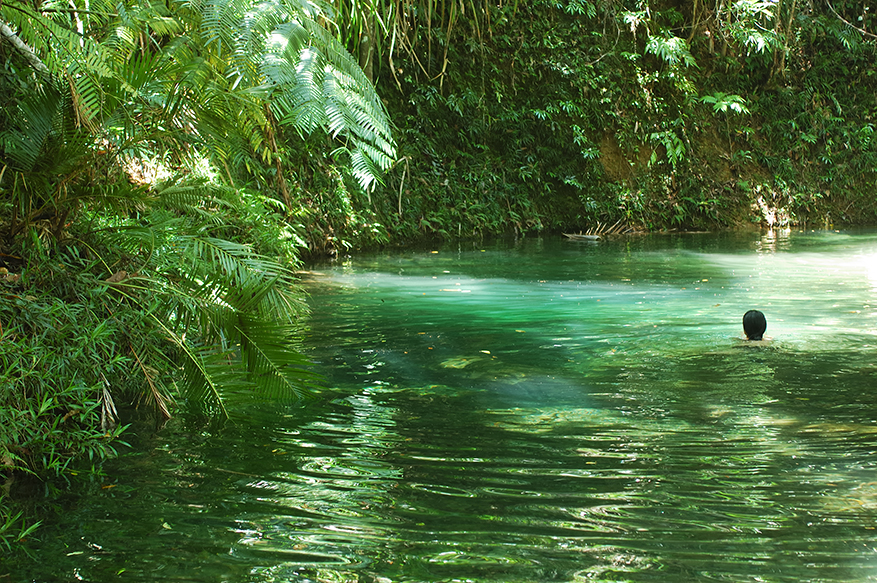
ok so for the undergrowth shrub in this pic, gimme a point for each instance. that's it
(65, 357)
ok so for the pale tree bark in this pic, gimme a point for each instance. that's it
(25, 51)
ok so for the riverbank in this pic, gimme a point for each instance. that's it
(551, 117)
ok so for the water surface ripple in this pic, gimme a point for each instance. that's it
(546, 411)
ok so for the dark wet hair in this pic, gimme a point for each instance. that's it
(754, 324)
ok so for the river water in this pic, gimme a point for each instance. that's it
(547, 410)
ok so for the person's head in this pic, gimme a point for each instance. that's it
(754, 324)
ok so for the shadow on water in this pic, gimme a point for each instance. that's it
(548, 412)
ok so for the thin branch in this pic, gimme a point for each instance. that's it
(848, 23)
(75, 11)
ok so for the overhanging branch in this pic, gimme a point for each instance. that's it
(25, 51)
(848, 23)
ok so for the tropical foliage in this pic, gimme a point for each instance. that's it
(164, 165)
(149, 210)
(562, 114)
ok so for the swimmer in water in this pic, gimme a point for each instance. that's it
(754, 325)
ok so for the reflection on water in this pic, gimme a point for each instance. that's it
(552, 411)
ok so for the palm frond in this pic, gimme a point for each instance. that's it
(204, 372)
(67, 53)
(29, 127)
(119, 91)
(230, 311)
(277, 371)
(191, 198)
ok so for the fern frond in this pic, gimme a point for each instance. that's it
(318, 83)
(220, 21)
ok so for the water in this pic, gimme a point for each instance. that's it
(546, 411)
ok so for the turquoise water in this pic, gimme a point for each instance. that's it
(541, 411)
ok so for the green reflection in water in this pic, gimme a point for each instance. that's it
(552, 411)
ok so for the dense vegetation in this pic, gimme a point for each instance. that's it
(147, 237)
(559, 115)
(163, 166)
